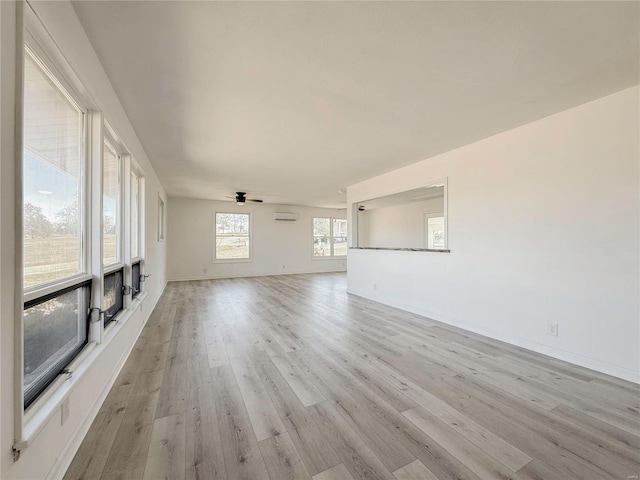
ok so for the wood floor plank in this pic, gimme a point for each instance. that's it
(166, 456)
(172, 395)
(315, 449)
(483, 465)
(128, 454)
(351, 370)
(147, 383)
(242, 457)
(414, 471)
(339, 472)
(282, 377)
(264, 419)
(215, 347)
(282, 459)
(93, 453)
(602, 429)
(377, 421)
(295, 377)
(533, 436)
(495, 446)
(356, 455)
(352, 406)
(537, 470)
(204, 458)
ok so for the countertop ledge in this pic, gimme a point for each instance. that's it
(401, 249)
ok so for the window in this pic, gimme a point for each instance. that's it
(53, 178)
(135, 279)
(329, 237)
(112, 232)
(111, 206)
(434, 231)
(56, 285)
(321, 237)
(339, 237)
(135, 216)
(55, 330)
(135, 232)
(232, 236)
(113, 295)
(59, 291)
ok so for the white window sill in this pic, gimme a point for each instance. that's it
(114, 267)
(232, 260)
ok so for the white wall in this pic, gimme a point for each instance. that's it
(279, 247)
(398, 226)
(53, 447)
(543, 228)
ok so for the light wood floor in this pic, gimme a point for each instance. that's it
(291, 378)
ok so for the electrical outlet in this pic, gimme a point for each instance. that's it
(552, 329)
(284, 267)
(64, 411)
(204, 270)
(375, 286)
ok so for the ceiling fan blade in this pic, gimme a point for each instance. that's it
(255, 200)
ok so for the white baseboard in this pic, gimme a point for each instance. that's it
(65, 458)
(574, 358)
(269, 274)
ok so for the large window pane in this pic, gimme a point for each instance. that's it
(135, 279)
(54, 331)
(232, 247)
(339, 236)
(232, 236)
(111, 224)
(113, 295)
(339, 227)
(52, 179)
(135, 216)
(321, 237)
(340, 246)
(435, 233)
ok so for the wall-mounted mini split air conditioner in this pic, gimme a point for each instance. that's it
(289, 217)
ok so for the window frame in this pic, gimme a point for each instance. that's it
(134, 172)
(332, 237)
(427, 216)
(57, 368)
(114, 270)
(109, 140)
(32, 408)
(32, 48)
(135, 292)
(41, 292)
(249, 235)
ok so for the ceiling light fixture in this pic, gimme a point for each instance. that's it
(240, 198)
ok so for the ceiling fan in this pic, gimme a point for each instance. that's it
(241, 198)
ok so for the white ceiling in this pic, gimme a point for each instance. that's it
(293, 101)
